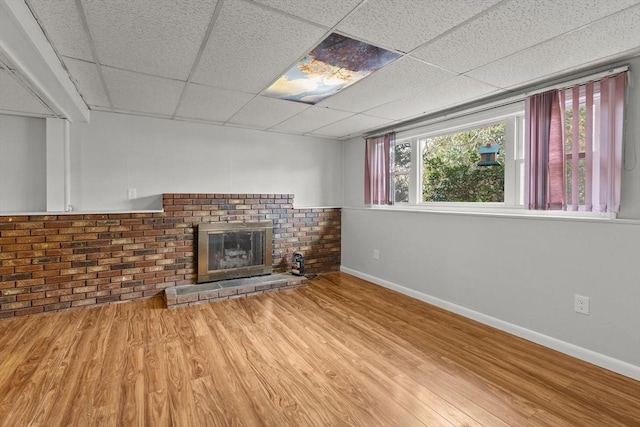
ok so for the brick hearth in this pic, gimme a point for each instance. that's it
(229, 289)
(55, 262)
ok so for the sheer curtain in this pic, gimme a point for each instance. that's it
(378, 187)
(573, 144)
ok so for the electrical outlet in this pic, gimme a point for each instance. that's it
(376, 254)
(581, 304)
(132, 193)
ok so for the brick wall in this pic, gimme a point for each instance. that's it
(54, 262)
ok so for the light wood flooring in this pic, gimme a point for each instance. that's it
(339, 352)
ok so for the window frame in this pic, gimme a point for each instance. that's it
(395, 173)
(511, 115)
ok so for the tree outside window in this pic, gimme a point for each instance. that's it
(450, 173)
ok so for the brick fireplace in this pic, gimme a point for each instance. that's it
(55, 262)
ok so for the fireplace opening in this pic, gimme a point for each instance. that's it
(234, 250)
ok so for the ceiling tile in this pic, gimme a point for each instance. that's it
(210, 103)
(311, 119)
(458, 90)
(250, 47)
(399, 79)
(593, 43)
(353, 125)
(159, 37)
(141, 93)
(263, 112)
(324, 12)
(406, 24)
(88, 82)
(62, 24)
(17, 99)
(523, 23)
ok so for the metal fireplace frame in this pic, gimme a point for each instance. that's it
(204, 230)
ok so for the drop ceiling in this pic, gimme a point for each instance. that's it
(210, 61)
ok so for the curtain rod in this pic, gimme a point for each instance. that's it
(480, 106)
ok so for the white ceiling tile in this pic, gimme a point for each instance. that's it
(399, 79)
(456, 91)
(210, 103)
(353, 125)
(142, 93)
(15, 98)
(62, 24)
(498, 44)
(522, 23)
(311, 119)
(88, 82)
(250, 47)
(264, 113)
(406, 24)
(159, 37)
(324, 12)
(593, 43)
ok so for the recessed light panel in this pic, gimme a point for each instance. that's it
(334, 64)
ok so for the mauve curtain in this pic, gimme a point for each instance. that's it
(544, 151)
(545, 166)
(612, 91)
(378, 189)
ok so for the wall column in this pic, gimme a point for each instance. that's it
(58, 165)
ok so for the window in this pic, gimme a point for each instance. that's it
(439, 164)
(574, 137)
(578, 125)
(556, 150)
(401, 171)
(450, 170)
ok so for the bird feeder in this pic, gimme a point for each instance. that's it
(488, 155)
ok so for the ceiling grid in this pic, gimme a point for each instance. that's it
(211, 61)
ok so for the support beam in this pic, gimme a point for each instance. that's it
(25, 49)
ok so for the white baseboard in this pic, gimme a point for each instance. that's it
(598, 359)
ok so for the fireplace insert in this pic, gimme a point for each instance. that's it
(234, 250)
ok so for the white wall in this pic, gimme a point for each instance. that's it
(22, 164)
(115, 152)
(520, 274)
(521, 271)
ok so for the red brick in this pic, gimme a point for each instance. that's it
(59, 238)
(28, 311)
(31, 296)
(16, 248)
(29, 282)
(44, 301)
(46, 246)
(59, 292)
(15, 233)
(13, 218)
(83, 302)
(28, 268)
(44, 288)
(57, 306)
(70, 271)
(84, 289)
(15, 305)
(74, 297)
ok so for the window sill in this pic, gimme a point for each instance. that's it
(499, 210)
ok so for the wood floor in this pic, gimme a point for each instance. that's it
(339, 352)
